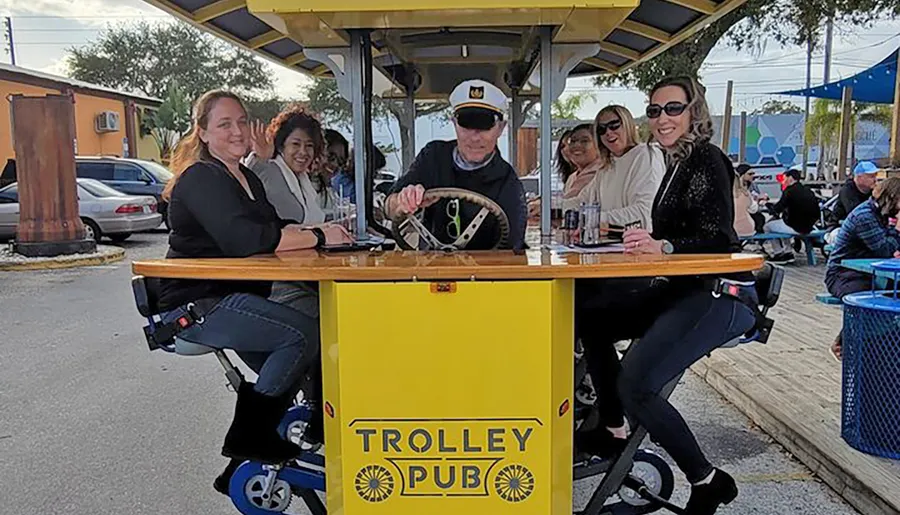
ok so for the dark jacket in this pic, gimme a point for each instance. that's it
(211, 216)
(434, 167)
(694, 208)
(798, 207)
(848, 199)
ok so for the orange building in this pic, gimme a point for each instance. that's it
(107, 122)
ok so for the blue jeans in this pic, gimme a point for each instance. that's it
(277, 342)
(690, 328)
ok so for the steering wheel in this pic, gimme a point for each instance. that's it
(410, 225)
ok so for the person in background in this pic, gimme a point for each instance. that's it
(471, 162)
(629, 172)
(689, 317)
(744, 209)
(218, 208)
(748, 181)
(564, 165)
(337, 151)
(582, 159)
(799, 210)
(867, 233)
(283, 156)
(855, 191)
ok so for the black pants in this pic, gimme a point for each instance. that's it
(676, 330)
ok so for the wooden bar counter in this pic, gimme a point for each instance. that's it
(447, 378)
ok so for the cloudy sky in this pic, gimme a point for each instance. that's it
(44, 29)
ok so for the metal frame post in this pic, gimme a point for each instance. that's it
(546, 129)
(515, 121)
(355, 68)
(409, 154)
(726, 119)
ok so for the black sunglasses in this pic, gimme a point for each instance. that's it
(612, 125)
(671, 109)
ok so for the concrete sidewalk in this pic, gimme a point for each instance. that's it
(791, 388)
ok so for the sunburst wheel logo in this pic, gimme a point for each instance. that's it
(374, 483)
(514, 483)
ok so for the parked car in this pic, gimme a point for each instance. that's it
(130, 176)
(104, 211)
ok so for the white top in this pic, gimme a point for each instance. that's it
(625, 190)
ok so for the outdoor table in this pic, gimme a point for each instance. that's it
(460, 401)
(866, 266)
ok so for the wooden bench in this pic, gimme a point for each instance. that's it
(809, 241)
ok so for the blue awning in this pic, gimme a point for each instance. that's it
(874, 85)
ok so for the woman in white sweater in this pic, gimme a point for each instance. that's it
(630, 175)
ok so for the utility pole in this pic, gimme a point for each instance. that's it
(809, 52)
(829, 41)
(12, 45)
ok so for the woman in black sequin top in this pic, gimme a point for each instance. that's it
(693, 213)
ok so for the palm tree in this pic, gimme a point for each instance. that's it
(824, 124)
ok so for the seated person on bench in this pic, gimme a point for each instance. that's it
(799, 210)
(867, 233)
(471, 162)
(855, 191)
(218, 208)
(687, 317)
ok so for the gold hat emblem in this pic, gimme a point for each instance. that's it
(476, 92)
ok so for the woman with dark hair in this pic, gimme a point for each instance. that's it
(218, 208)
(284, 155)
(688, 317)
(580, 162)
(865, 234)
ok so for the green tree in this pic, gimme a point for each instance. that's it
(323, 98)
(567, 107)
(824, 124)
(174, 62)
(749, 27)
(778, 107)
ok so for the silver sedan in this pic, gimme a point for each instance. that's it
(103, 210)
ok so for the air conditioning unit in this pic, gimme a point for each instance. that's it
(107, 121)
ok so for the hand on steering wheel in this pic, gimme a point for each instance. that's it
(414, 198)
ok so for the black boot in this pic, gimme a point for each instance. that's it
(221, 483)
(253, 434)
(599, 442)
(705, 499)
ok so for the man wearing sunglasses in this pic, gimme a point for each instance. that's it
(471, 162)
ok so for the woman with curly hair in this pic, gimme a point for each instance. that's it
(284, 155)
(689, 317)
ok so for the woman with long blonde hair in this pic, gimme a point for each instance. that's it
(689, 317)
(218, 208)
(629, 172)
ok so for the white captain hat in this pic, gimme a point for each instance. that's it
(478, 93)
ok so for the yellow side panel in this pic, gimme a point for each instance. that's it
(292, 6)
(451, 402)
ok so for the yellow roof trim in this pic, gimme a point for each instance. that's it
(702, 6)
(645, 30)
(265, 39)
(208, 12)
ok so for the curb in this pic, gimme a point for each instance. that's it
(846, 483)
(113, 255)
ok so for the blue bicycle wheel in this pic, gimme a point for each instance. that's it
(247, 491)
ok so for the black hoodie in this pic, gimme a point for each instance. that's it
(435, 167)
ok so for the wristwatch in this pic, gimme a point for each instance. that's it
(320, 237)
(667, 247)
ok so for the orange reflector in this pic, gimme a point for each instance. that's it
(443, 287)
(329, 409)
(564, 407)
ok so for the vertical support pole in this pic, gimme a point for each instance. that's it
(355, 69)
(895, 124)
(546, 129)
(515, 121)
(12, 43)
(726, 120)
(49, 225)
(805, 153)
(846, 114)
(742, 152)
(409, 154)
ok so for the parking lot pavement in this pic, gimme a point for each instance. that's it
(93, 423)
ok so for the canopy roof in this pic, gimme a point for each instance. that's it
(434, 44)
(875, 84)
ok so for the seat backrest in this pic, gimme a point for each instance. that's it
(769, 280)
(146, 295)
